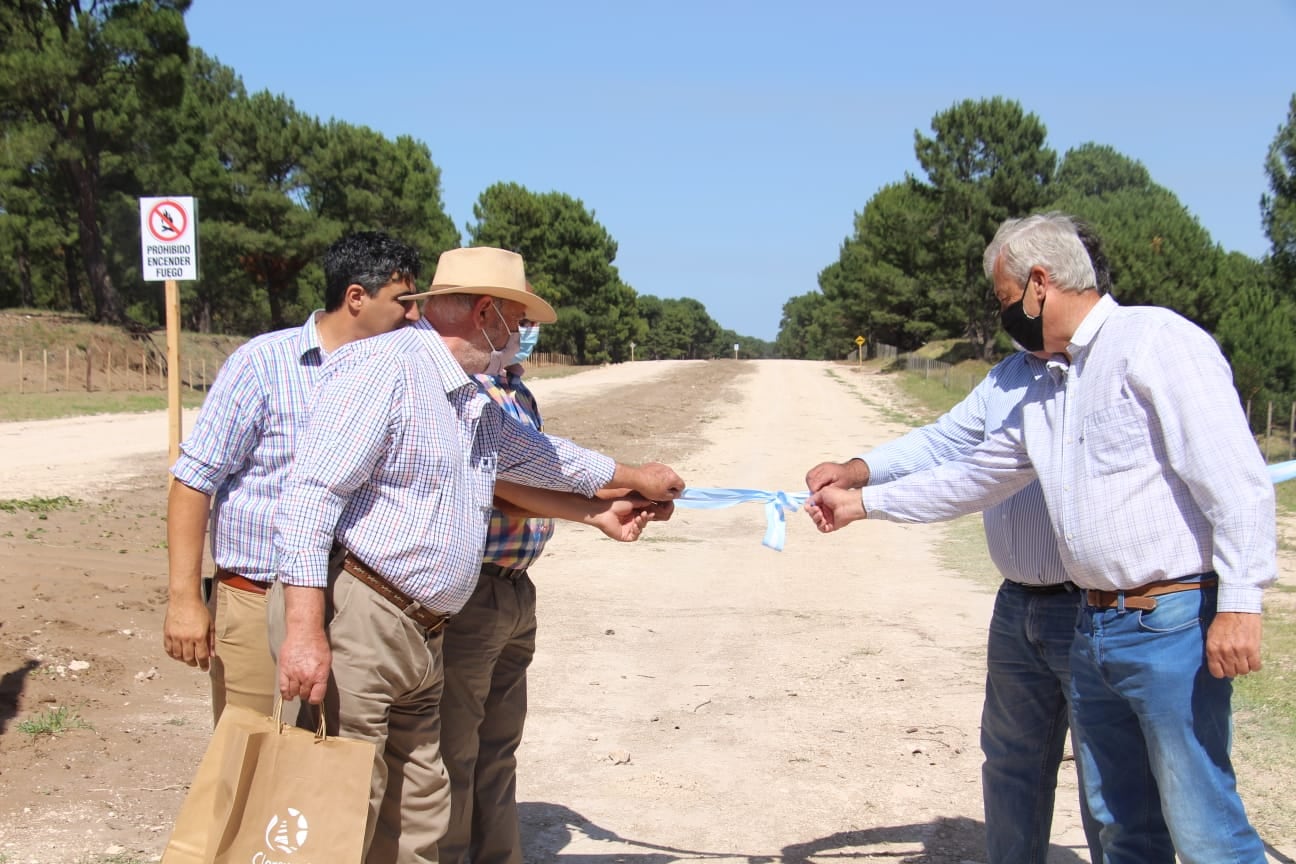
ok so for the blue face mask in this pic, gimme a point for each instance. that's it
(529, 337)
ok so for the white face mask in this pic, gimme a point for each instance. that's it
(501, 356)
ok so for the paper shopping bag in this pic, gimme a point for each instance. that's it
(269, 792)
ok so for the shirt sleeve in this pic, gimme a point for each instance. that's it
(991, 472)
(354, 424)
(533, 458)
(1211, 449)
(228, 427)
(955, 434)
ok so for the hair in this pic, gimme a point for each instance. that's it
(1047, 240)
(1094, 246)
(370, 259)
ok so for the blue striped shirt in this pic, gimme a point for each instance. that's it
(398, 463)
(240, 448)
(1018, 533)
(1144, 456)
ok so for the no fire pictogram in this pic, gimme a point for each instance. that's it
(167, 221)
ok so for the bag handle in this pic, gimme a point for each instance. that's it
(321, 731)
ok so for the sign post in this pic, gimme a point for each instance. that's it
(859, 341)
(632, 346)
(169, 251)
(735, 350)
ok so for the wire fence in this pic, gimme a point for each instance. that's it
(90, 369)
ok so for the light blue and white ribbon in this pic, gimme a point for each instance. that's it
(777, 506)
(1280, 472)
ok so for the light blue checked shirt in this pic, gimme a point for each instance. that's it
(1018, 534)
(398, 463)
(240, 448)
(1143, 454)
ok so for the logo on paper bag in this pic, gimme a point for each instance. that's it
(288, 834)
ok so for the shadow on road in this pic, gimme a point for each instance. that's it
(547, 829)
(11, 687)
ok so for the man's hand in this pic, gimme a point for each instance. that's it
(623, 519)
(187, 632)
(1233, 644)
(304, 657)
(831, 508)
(653, 480)
(853, 474)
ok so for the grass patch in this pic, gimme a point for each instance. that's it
(36, 505)
(534, 373)
(1270, 695)
(53, 722)
(962, 549)
(1286, 495)
(886, 412)
(52, 406)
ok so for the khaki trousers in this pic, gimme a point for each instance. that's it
(243, 669)
(488, 647)
(385, 687)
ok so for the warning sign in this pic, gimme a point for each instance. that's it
(168, 239)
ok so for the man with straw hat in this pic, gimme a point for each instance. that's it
(383, 519)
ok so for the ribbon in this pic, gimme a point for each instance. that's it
(1281, 472)
(777, 506)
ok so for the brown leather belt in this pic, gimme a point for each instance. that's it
(234, 580)
(431, 621)
(512, 574)
(1144, 596)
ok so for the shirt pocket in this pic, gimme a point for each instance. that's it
(1115, 439)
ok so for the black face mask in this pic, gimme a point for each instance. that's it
(1028, 332)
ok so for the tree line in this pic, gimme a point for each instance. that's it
(105, 101)
(911, 270)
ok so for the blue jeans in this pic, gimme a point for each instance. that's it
(1024, 722)
(1154, 729)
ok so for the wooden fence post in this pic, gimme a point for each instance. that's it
(1268, 430)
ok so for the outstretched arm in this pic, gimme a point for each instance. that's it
(621, 518)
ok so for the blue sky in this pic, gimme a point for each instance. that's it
(727, 146)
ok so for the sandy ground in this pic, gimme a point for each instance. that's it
(694, 696)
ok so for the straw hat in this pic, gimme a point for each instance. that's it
(490, 271)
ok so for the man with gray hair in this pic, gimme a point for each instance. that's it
(1026, 714)
(1126, 434)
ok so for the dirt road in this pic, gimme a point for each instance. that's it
(695, 695)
